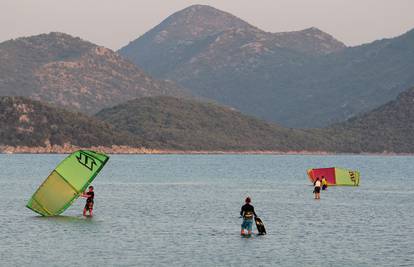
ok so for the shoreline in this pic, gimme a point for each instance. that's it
(127, 150)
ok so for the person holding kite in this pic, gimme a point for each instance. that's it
(89, 201)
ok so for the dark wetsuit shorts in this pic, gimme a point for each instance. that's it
(89, 205)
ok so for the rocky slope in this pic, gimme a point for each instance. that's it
(299, 79)
(72, 73)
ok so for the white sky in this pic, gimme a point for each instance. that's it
(113, 23)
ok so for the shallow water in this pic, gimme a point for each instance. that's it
(183, 210)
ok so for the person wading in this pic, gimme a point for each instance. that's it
(247, 212)
(317, 188)
(89, 201)
(324, 183)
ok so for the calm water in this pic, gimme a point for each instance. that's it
(169, 210)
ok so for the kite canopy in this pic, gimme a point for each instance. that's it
(66, 182)
(335, 176)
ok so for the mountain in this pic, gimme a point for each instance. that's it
(353, 81)
(178, 38)
(298, 79)
(389, 128)
(69, 72)
(25, 122)
(202, 34)
(184, 124)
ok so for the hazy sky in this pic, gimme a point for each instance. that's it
(113, 23)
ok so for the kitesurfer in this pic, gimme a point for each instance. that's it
(247, 212)
(89, 201)
(317, 188)
(324, 183)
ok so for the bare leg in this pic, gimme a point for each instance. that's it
(84, 212)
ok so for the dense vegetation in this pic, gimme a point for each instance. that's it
(25, 122)
(298, 79)
(388, 128)
(172, 123)
(168, 122)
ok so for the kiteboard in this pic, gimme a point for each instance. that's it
(260, 226)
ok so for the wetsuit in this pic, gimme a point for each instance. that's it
(317, 185)
(89, 201)
(324, 184)
(247, 211)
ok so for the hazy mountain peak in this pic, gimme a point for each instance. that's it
(193, 23)
(313, 30)
(206, 17)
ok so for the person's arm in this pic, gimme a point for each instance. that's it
(241, 212)
(254, 213)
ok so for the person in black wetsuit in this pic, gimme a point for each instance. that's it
(247, 212)
(89, 201)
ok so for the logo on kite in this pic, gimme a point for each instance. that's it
(352, 176)
(86, 160)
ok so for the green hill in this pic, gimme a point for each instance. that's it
(184, 124)
(388, 128)
(168, 122)
(25, 122)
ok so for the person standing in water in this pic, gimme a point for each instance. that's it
(317, 188)
(89, 201)
(247, 212)
(324, 183)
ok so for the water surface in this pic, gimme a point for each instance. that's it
(183, 210)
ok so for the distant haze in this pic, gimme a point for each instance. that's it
(114, 23)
